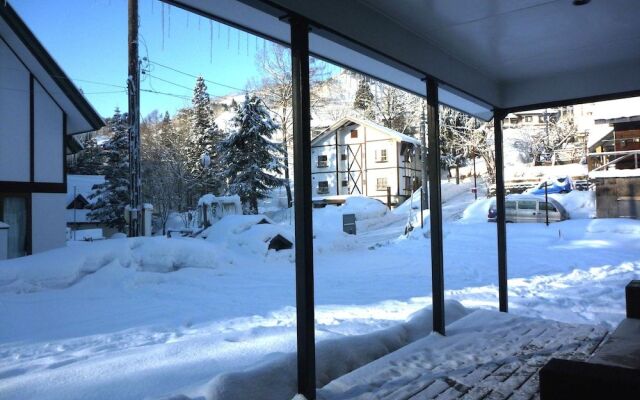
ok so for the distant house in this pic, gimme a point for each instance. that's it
(614, 165)
(39, 109)
(533, 118)
(357, 156)
(79, 202)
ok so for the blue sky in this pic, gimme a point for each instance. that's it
(88, 38)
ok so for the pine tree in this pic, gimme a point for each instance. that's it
(363, 100)
(113, 195)
(204, 136)
(252, 159)
(90, 160)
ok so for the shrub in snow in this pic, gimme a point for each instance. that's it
(252, 233)
(277, 379)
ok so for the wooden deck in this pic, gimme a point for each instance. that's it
(505, 366)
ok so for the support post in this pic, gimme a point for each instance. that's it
(435, 199)
(501, 220)
(133, 85)
(424, 193)
(302, 207)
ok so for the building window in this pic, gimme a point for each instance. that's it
(323, 187)
(528, 118)
(541, 118)
(381, 184)
(343, 157)
(345, 183)
(381, 155)
(354, 134)
(322, 161)
(514, 121)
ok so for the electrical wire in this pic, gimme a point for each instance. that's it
(195, 76)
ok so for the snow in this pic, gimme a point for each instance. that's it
(273, 380)
(209, 199)
(160, 318)
(579, 204)
(615, 173)
(477, 356)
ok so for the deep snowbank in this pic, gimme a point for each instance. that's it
(276, 380)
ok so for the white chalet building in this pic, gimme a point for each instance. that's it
(39, 109)
(357, 156)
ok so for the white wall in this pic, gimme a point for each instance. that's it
(48, 224)
(48, 146)
(14, 118)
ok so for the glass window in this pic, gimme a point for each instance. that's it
(547, 206)
(510, 205)
(381, 184)
(354, 134)
(381, 155)
(323, 187)
(345, 183)
(527, 205)
(322, 161)
(13, 211)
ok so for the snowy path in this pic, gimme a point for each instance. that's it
(455, 201)
(486, 355)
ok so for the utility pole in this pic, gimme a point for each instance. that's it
(424, 194)
(133, 86)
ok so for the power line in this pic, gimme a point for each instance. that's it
(195, 76)
(166, 94)
(166, 81)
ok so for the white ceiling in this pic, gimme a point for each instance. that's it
(500, 53)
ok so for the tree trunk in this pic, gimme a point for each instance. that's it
(457, 174)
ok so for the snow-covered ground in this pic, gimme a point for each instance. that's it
(156, 317)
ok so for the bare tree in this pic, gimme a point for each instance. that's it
(276, 89)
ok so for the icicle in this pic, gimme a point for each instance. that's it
(162, 18)
(152, 1)
(210, 41)
(187, 20)
(264, 50)
(199, 19)
(219, 25)
(228, 37)
(168, 21)
(238, 38)
(247, 44)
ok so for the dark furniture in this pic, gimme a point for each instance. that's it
(612, 372)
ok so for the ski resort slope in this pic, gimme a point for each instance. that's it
(152, 318)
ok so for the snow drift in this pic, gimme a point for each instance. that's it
(276, 380)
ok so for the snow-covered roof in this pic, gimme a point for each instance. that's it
(597, 133)
(540, 111)
(82, 185)
(616, 109)
(210, 199)
(615, 173)
(401, 137)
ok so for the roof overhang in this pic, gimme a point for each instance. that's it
(81, 117)
(498, 54)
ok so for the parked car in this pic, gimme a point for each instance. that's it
(562, 184)
(529, 208)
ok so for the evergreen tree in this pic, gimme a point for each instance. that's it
(252, 159)
(204, 137)
(90, 160)
(363, 100)
(113, 195)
